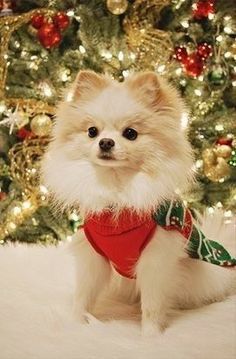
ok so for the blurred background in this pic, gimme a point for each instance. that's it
(43, 44)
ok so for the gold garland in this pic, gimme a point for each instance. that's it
(31, 106)
(143, 39)
(25, 160)
(8, 25)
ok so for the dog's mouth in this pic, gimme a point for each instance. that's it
(106, 157)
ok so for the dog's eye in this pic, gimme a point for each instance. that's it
(130, 134)
(92, 132)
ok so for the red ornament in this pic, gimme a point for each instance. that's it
(23, 133)
(204, 50)
(61, 20)
(225, 141)
(49, 36)
(181, 54)
(3, 195)
(194, 65)
(202, 9)
(38, 21)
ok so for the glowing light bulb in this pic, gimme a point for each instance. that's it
(125, 73)
(228, 30)
(210, 210)
(26, 204)
(161, 68)
(107, 54)
(16, 210)
(198, 92)
(185, 23)
(132, 56)
(219, 127)
(47, 90)
(219, 38)
(82, 49)
(178, 71)
(43, 189)
(70, 13)
(199, 164)
(227, 54)
(11, 226)
(2, 107)
(73, 217)
(121, 56)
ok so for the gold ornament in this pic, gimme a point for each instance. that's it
(41, 125)
(215, 168)
(223, 151)
(117, 7)
(152, 47)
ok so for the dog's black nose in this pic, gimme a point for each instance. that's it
(106, 144)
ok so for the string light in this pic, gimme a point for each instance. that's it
(178, 71)
(70, 13)
(198, 92)
(161, 69)
(219, 127)
(185, 24)
(199, 164)
(228, 30)
(45, 89)
(2, 107)
(107, 54)
(121, 56)
(82, 49)
(73, 216)
(227, 55)
(125, 73)
(132, 56)
(43, 189)
(219, 38)
(26, 204)
(17, 44)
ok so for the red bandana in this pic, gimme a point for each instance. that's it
(120, 241)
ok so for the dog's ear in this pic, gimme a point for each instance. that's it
(87, 82)
(150, 89)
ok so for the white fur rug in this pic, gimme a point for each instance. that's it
(36, 321)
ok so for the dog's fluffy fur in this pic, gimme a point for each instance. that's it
(139, 175)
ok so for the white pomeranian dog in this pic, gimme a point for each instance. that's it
(118, 152)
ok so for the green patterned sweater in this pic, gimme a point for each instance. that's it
(174, 216)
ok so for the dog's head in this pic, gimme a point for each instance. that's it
(114, 141)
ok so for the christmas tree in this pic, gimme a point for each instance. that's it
(43, 44)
